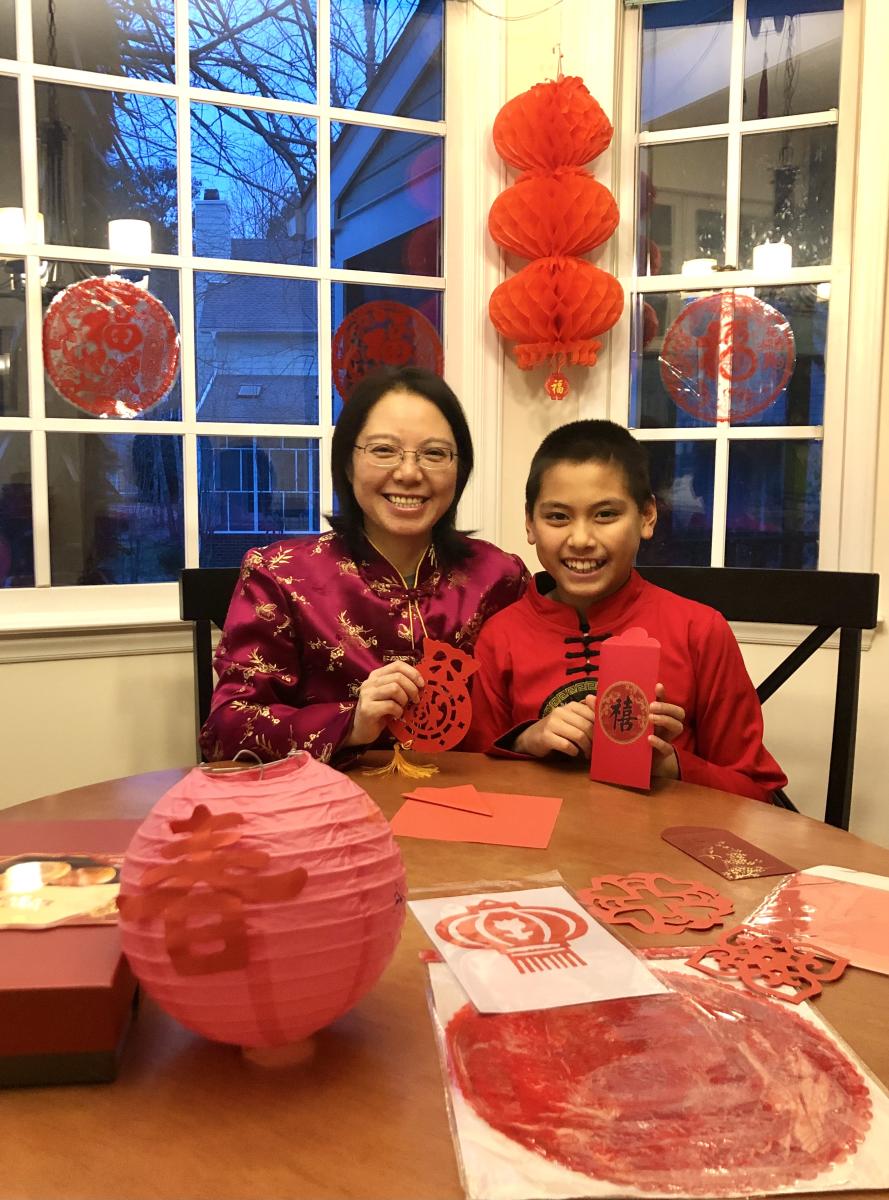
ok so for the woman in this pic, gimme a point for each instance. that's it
(322, 631)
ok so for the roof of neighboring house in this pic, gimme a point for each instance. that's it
(284, 399)
(252, 303)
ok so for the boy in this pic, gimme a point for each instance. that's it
(588, 504)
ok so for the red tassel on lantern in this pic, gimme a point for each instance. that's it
(556, 306)
(565, 211)
(553, 124)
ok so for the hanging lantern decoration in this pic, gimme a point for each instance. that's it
(109, 347)
(258, 905)
(556, 306)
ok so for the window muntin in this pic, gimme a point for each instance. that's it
(16, 528)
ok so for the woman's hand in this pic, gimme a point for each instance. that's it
(668, 721)
(385, 693)
(568, 728)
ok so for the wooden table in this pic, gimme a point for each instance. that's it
(365, 1117)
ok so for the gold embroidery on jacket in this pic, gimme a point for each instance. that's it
(335, 654)
(355, 635)
(258, 666)
(255, 711)
(326, 752)
(321, 545)
(266, 611)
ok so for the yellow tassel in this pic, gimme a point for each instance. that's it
(399, 765)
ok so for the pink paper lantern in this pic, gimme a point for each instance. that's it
(259, 905)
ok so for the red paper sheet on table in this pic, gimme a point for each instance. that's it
(463, 797)
(628, 672)
(514, 821)
(835, 908)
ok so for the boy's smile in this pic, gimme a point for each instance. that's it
(587, 528)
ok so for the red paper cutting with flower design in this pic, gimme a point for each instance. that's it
(727, 357)
(383, 333)
(532, 937)
(110, 348)
(769, 964)
(654, 903)
(439, 719)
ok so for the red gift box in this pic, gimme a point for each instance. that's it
(66, 993)
(628, 674)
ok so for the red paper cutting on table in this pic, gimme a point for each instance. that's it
(109, 347)
(769, 964)
(441, 716)
(383, 333)
(708, 1091)
(533, 938)
(654, 903)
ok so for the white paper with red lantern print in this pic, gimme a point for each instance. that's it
(530, 949)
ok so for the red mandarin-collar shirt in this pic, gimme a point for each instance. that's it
(308, 623)
(536, 654)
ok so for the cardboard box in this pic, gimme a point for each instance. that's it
(66, 994)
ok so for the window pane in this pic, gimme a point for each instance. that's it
(255, 172)
(791, 59)
(105, 155)
(257, 349)
(382, 326)
(253, 491)
(128, 38)
(787, 187)
(803, 326)
(7, 30)
(241, 46)
(686, 52)
(774, 493)
(386, 200)
(13, 344)
(682, 482)
(16, 531)
(11, 175)
(115, 508)
(662, 397)
(682, 197)
(162, 284)
(387, 58)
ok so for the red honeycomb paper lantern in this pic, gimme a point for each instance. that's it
(556, 307)
(553, 124)
(277, 910)
(565, 211)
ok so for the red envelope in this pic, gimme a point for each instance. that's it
(628, 672)
(464, 797)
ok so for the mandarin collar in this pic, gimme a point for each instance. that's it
(373, 563)
(601, 615)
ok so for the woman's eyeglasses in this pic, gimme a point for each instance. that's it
(387, 455)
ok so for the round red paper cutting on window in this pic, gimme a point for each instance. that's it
(383, 333)
(110, 348)
(727, 347)
(707, 1091)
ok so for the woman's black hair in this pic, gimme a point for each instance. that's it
(591, 441)
(450, 545)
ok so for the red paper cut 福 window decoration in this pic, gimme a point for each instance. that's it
(109, 347)
(383, 333)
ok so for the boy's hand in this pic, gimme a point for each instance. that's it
(385, 693)
(568, 728)
(668, 721)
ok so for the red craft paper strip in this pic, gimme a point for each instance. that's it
(515, 821)
(464, 797)
(628, 673)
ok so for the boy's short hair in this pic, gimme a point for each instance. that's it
(591, 441)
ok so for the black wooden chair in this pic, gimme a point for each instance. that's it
(204, 597)
(828, 600)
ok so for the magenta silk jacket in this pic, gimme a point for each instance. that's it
(308, 623)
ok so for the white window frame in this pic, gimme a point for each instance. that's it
(857, 274)
(475, 50)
